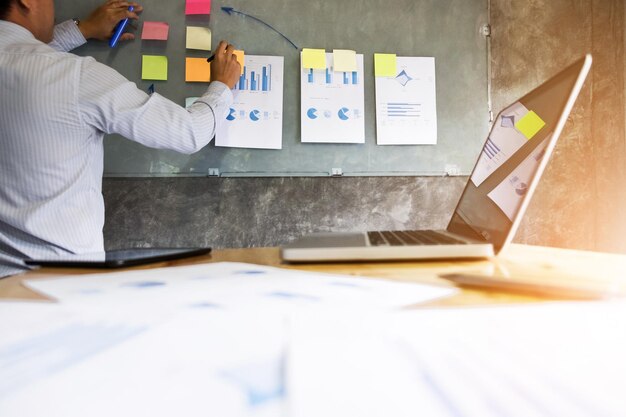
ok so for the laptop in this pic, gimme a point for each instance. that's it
(119, 258)
(495, 197)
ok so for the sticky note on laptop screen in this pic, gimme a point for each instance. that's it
(157, 31)
(198, 7)
(313, 58)
(385, 65)
(198, 38)
(530, 124)
(154, 67)
(197, 70)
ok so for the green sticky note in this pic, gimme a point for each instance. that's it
(344, 60)
(154, 67)
(313, 58)
(530, 124)
(385, 65)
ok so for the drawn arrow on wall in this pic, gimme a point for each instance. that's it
(231, 10)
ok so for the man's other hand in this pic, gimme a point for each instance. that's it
(102, 21)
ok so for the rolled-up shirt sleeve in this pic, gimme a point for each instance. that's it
(66, 37)
(110, 103)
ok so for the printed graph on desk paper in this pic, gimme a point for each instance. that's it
(255, 120)
(333, 104)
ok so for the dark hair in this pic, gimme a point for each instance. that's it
(5, 6)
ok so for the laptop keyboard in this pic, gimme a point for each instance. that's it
(412, 237)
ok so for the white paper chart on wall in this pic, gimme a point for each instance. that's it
(447, 31)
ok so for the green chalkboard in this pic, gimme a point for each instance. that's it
(449, 30)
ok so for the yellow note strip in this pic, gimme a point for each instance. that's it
(530, 124)
(154, 67)
(313, 58)
(385, 65)
(197, 70)
(241, 58)
(344, 60)
(198, 38)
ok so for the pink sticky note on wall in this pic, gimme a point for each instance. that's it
(155, 31)
(198, 7)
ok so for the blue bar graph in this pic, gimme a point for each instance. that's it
(242, 80)
(264, 80)
(255, 81)
(404, 110)
(347, 78)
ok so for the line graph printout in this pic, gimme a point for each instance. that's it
(406, 104)
(255, 119)
(333, 104)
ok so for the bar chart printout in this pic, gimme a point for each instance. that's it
(255, 119)
(333, 104)
(406, 108)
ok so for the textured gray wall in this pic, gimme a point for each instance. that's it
(252, 212)
(579, 204)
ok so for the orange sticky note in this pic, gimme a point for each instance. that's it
(241, 58)
(197, 70)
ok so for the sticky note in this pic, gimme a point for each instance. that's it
(189, 101)
(154, 67)
(241, 58)
(344, 60)
(198, 7)
(385, 65)
(198, 38)
(197, 70)
(313, 58)
(530, 124)
(158, 31)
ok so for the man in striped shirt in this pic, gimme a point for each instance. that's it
(56, 107)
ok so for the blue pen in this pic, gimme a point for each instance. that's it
(119, 29)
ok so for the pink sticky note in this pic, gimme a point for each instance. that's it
(155, 31)
(198, 7)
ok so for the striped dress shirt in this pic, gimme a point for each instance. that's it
(55, 108)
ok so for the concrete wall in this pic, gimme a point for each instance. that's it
(579, 204)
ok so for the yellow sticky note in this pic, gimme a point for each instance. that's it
(198, 38)
(530, 124)
(344, 60)
(313, 58)
(197, 70)
(385, 65)
(241, 58)
(154, 67)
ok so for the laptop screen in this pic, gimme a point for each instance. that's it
(509, 161)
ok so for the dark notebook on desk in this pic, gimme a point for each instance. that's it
(119, 258)
(496, 195)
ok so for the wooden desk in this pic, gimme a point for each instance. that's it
(518, 260)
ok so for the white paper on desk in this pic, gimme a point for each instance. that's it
(235, 287)
(555, 359)
(406, 105)
(504, 140)
(255, 119)
(198, 362)
(332, 104)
